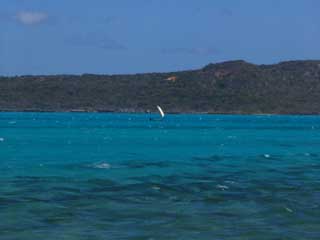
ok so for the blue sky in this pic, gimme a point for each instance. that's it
(130, 36)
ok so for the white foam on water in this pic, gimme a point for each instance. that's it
(102, 165)
(222, 187)
(230, 182)
(288, 209)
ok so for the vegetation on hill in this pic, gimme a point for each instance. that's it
(229, 87)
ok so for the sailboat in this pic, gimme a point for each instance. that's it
(161, 111)
(161, 114)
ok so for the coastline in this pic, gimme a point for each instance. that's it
(236, 113)
(234, 87)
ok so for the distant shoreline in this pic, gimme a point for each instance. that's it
(154, 112)
(234, 87)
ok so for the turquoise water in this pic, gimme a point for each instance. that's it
(120, 176)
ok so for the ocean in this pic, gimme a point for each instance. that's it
(87, 176)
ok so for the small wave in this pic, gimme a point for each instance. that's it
(307, 154)
(311, 154)
(155, 188)
(138, 164)
(230, 182)
(288, 210)
(102, 165)
(222, 187)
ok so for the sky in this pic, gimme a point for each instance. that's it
(135, 36)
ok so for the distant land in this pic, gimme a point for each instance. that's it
(234, 87)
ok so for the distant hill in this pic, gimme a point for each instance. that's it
(291, 87)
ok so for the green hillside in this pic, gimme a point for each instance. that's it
(229, 87)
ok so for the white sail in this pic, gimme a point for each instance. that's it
(161, 111)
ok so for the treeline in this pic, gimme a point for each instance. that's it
(229, 87)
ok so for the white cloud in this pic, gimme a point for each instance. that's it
(31, 18)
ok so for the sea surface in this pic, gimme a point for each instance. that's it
(87, 176)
